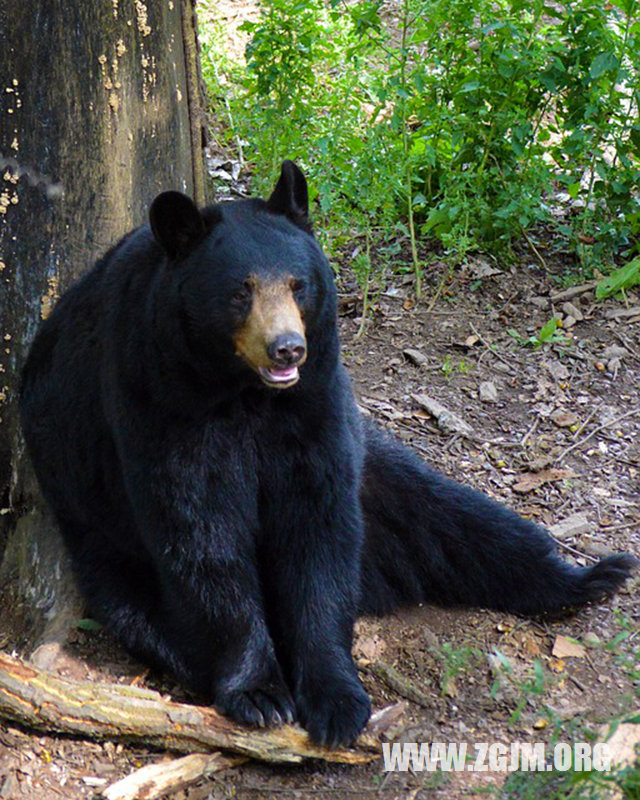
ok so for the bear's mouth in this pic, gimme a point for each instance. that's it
(279, 377)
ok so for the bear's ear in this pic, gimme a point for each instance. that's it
(176, 222)
(290, 197)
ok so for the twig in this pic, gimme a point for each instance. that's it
(580, 685)
(605, 528)
(573, 550)
(531, 431)
(489, 348)
(536, 252)
(574, 291)
(594, 411)
(508, 301)
(602, 427)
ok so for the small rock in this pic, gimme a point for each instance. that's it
(596, 549)
(488, 392)
(571, 526)
(416, 357)
(447, 420)
(572, 310)
(569, 322)
(613, 351)
(564, 419)
(540, 302)
(591, 638)
(557, 370)
(481, 268)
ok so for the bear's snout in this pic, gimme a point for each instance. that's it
(287, 349)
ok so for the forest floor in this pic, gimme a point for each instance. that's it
(553, 433)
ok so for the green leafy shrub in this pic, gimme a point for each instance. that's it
(454, 120)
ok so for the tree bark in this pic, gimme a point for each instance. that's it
(45, 702)
(100, 109)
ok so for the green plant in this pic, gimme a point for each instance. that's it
(454, 660)
(623, 783)
(452, 120)
(549, 334)
(536, 685)
(626, 646)
(619, 280)
(594, 79)
(448, 367)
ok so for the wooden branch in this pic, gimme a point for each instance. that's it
(157, 780)
(168, 777)
(42, 701)
(396, 681)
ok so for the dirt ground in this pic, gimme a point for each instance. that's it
(554, 433)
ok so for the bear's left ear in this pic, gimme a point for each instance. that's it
(290, 197)
(176, 222)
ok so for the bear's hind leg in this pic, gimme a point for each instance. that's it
(429, 539)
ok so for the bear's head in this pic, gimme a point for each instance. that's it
(254, 286)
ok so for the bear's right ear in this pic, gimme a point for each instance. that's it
(176, 222)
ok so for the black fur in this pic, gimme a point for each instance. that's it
(230, 532)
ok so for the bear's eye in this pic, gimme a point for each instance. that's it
(297, 286)
(243, 293)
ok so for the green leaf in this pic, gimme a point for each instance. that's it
(574, 189)
(88, 625)
(619, 280)
(548, 329)
(505, 664)
(439, 219)
(604, 62)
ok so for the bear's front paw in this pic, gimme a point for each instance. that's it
(335, 713)
(261, 704)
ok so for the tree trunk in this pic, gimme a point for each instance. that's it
(99, 110)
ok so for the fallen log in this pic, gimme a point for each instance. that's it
(45, 702)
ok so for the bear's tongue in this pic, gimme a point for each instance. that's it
(279, 374)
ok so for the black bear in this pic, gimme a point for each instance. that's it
(227, 510)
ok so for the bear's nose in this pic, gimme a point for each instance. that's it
(287, 349)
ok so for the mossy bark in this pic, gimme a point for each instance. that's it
(100, 109)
